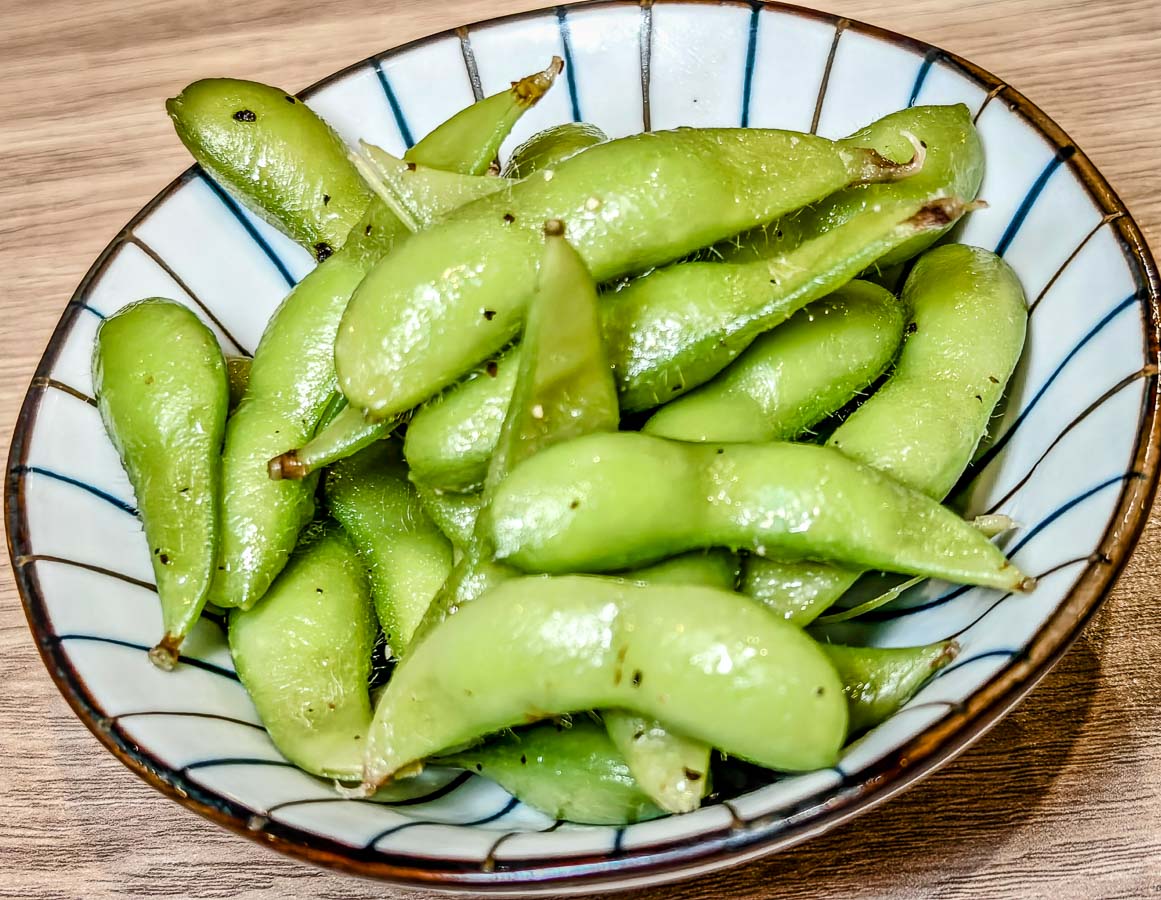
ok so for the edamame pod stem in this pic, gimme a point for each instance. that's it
(609, 501)
(304, 657)
(292, 383)
(580, 643)
(563, 389)
(406, 556)
(162, 393)
(954, 167)
(676, 328)
(877, 681)
(345, 435)
(968, 321)
(668, 332)
(552, 146)
(237, 376)
(456, 293)
(570, 772)
(794, 376)
(271, 152)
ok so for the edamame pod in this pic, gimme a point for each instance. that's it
(877, 681)
(552, 146)
(968, 321)
(304, 657)
(677, 327)
(292, 383)
(406, 556)
(571, 772)
(162, 393)
(454, 513)
(954, 167)
(276, 156)
(708, 568)
(456, 293)
(348, 432)
(578, 643)
(794, 376)
(609, 501)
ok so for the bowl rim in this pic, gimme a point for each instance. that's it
(741, 840)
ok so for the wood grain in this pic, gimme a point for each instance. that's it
(1061, 800)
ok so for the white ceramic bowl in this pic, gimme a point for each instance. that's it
(1073, 458)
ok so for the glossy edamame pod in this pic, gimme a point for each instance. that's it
(304, 656)
(954, 167)
(455, 514)
(570, 772)
(292, 383)
(406, 556)
(578, 643)
(877, 681)
(677, 327)
(968, 321)
(708, 568)
(456, 293)
(794, 376)
(162, 393)
(237, 376)
(608, 501)
(552, 146)
(275, 155)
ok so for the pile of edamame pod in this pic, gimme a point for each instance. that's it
(580, 447)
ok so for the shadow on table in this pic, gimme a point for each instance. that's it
(947, 827)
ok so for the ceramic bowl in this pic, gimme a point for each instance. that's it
(1073, 457)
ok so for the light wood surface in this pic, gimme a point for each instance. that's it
(1061, 800)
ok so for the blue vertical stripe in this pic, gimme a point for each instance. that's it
(232, 205)
(1031, 197)
(751, 53)
(569, 74)
(921, 76)
(396, 109)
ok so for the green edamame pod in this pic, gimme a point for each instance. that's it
(954, 167)
(666, 333)
(571, 772)
(304, 657)
(469, 141)
(794, 376)
(450, 439)
(673, 771)
(162, 392)
(608, 501)
(629, 204)
(292, 383)
(877, 681)
(454, 513)
(275, 156)
(552, 146)
(677, 327)
(968, 321)
(406, 556)
(708, 568)
(580, 643)
(237, 376)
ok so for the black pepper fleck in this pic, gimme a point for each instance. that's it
(489, 314)
(721, 449)
(676, 388)
(411, 167)
(367, 231)
(692, 775)
(993, 379)
(523, 760)
(638, 675)
(322, 250)
(318, 590)
(245, 115)
(912, 327)
(509, 218)
(164, 559)
(574, 505)
(492, 368)
(479, 767)
(819, 691)
(326, 199)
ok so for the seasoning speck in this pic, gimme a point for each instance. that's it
(245, 115)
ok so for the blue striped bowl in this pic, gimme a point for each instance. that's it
(1073, 457)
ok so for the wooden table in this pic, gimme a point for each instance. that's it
(1061, 800)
